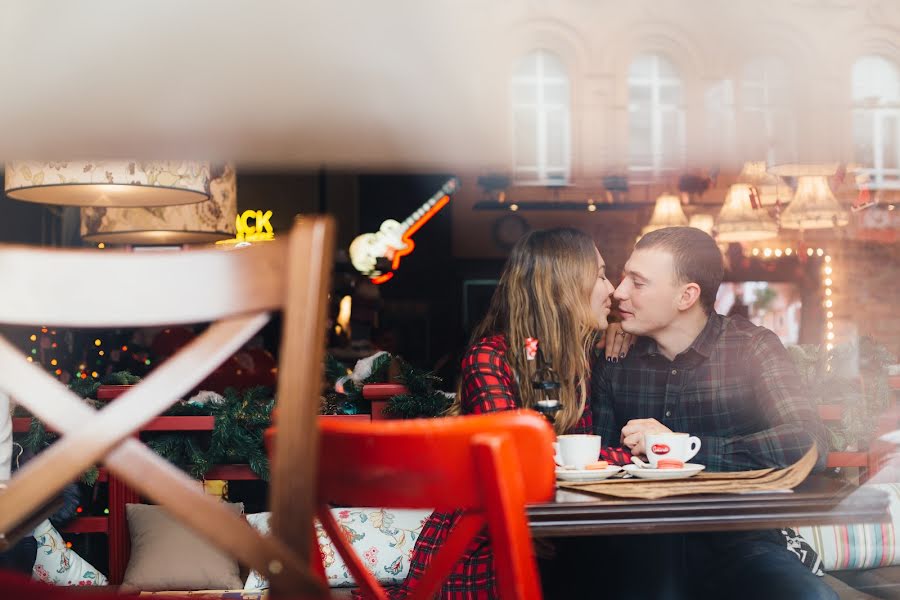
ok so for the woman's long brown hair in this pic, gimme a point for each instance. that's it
(544, 292)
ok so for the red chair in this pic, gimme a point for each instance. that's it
(490, 466)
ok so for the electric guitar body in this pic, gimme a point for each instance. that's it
(393, 240)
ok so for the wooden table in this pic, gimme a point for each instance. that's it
(817, 501)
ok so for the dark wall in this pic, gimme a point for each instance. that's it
(421, 303)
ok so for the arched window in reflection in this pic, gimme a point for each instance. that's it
(766, 121)
(876, 120)
(541, 119)
(656, 117)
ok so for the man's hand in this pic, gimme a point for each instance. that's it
(634, 430)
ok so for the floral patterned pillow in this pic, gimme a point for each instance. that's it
(59, 565)
(384, 538)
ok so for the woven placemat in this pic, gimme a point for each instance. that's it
(704, 483)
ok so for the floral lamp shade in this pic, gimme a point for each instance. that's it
(199, 223)
(739, 221)
(108, 183)
(814, 206)
(666, 213)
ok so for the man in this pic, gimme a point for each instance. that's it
(723, 379)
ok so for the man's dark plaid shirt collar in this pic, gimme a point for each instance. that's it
(702, 346)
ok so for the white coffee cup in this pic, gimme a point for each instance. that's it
(677, 446)
(577, 450)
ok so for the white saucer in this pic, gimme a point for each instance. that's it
(565, 474)
(688, 470)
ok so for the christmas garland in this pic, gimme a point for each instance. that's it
(343, 388)
(240, 418)
(236, 438)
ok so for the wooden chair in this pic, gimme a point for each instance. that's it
(236, 290)
(488, 465)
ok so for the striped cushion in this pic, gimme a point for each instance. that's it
(858, 546)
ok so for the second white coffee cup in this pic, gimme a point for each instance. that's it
(679, 446)
(577, 450)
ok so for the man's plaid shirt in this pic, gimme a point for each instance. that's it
(735, 388)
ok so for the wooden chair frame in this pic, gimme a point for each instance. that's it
(236, 289)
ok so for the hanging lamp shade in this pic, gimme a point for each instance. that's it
(814, 206)
(108, 183)
(702, 221)
(666, 213)
(767, 185)
(739, 222)
(199, 223)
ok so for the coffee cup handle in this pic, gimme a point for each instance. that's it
(693, 448)
(556, 457)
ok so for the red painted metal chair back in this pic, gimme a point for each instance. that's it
(488, 465)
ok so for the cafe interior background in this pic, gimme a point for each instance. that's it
(774, 125)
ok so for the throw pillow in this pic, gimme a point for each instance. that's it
(166, 555)
(59, 565)
(384, 538)
(858, 545)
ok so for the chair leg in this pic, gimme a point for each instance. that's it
(499, 472)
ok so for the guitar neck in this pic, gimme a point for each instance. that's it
(447, 189)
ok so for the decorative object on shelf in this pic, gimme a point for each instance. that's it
(666, 213)
(111, 183)
(393, 240)
(197, 223)
(814, 206)
(742, 219)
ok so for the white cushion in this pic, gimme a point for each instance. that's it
(59, 565)
(384, 538)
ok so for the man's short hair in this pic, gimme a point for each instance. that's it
(696, 257)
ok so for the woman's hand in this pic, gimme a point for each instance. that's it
(618, 343)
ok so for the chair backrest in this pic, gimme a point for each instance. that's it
(489, 466)
(235, 289)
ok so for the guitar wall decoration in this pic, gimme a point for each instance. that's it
(393, 240)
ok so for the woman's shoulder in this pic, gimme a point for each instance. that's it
(491, 348)
(495, 342)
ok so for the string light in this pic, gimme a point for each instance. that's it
(756, 252)
(97, 342)
(767, 252)
(788, 251)
(514, 207)
(829, 324)
(29, 359)
(809, 251)
(778, 252)
(33, 338)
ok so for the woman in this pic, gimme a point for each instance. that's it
(553, 288)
